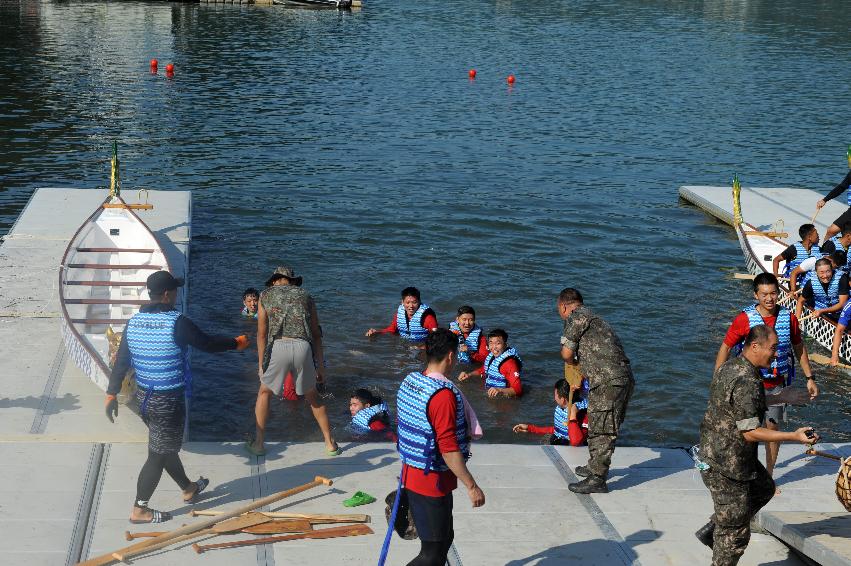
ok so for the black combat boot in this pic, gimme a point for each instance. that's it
(582, 471)
(706, 534)
(591, 484)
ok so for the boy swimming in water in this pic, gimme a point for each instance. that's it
(501, 369)
(369, 413)
(570, 426)
(472, 344)
(250, 299)
(414, 319)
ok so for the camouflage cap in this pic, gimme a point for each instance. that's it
(288, 272)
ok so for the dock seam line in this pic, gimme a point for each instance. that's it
(80, 534)
(265, 552)
(453, 558)
(40, 420)
(597, 515)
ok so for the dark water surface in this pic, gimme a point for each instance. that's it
(353, 146)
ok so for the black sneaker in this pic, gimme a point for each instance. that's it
(706, 534)
(591, 484)
(582, 471)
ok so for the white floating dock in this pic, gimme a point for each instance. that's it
(763, 207)
(65, 501)
(42, 393)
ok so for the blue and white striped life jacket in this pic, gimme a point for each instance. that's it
(160, 363)
(492, 365)
(417, 444)
(783, 365)
(361, 420)
(801, 254)
(472, 341)
(560, 420)
(827, 299)
(840, 248)
(413, 329)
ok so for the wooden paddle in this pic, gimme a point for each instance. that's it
(813, 219)
(333, 532)
(141, 547)
(825, 361)
(812, 452)
(313, 518)
(269, 527)
(573, 375)
(751, 276)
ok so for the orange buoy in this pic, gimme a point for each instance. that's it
(472, 73)
(154, 65)
(169, 68)
(510, 79)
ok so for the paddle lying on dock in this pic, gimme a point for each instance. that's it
(314, 519)
(825, 361)
(333, 532)
(182, 534)
(268, 527)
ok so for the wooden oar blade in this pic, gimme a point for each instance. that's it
(280, 527)
(333, 532)
(241, 522)
(573, 374)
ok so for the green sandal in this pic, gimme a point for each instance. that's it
(359, 498)
(249, 446)
(336, 451)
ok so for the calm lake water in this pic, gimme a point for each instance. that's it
(353, 146)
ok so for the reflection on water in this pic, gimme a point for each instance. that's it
(353, 146)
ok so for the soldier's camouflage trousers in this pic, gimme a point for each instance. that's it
(736, 502)
(607, 404)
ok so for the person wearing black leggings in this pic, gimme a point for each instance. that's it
(155, 345)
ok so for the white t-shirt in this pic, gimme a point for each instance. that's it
(809, 264)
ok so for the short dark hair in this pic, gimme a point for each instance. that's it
(839, 257)
(366, 397)
(466, 309)
(759, 333)
(805, 230)
(439, 344)
(250, 292)
(411, 292)
(846, 228)
(498, 333)
(765, 279)
(275, 277)
(824, 261)
(569, 295)
(562, 387)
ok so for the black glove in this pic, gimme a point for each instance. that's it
(111, 408)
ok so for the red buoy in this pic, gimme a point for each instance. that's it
(472, 73)
(154, 65)
(510, 79)
(169, 68)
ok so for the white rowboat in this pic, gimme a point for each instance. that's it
(103, 280)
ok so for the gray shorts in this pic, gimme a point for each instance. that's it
(290, 355)
(775, 413)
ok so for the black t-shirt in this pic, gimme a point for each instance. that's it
(808, 289)
(828, 247)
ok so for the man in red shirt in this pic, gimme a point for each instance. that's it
(413, 320)
(434, 444)
(766, 311)
(501, 368)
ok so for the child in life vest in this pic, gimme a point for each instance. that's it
(413, 319)
(369, 414)
(570, 426)
(250, 299)
(501, 369)
(472, 342)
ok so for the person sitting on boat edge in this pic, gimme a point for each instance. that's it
(414, 319)
(790, 344)
(370, 414)
(845, 217)
(799, 251)
(570, 425)
(841, 327)
(804, 272)
(841, 244)
(501, 369)
(250, 299)
(825, 294)
(472, 344)
(155, 345)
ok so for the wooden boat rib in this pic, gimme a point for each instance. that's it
(759, 251)
(102, 283)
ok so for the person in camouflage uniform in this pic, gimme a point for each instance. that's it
(289, 340)
(589, 341)
(729, 437)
